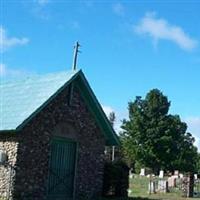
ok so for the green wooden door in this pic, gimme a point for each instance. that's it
(61, 169)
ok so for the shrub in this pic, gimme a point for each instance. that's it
(116, 179)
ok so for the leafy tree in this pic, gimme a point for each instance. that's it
(156, 139)
(198, 164)
(112, 118)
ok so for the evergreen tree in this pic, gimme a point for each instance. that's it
(156, 139)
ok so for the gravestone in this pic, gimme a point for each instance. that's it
(176, 173)
(161, 174)
(181, 176)
(195, 177)
(188, 185)
(172, 181)
(142, 172)
(129, 191)
(130, 175)
(152, 187)
(163, 186)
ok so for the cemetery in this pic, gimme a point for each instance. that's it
(164, 186)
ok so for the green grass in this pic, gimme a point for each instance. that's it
(139, 191)
(139, 188)
(129, 198)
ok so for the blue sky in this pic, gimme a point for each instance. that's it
(128, 48)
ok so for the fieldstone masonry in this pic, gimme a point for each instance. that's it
(9, 145)
(28, 149)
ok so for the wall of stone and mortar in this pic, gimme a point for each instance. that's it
(9, 144)
(73, 121)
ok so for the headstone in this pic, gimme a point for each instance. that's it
(181, 176)
(152, 187)
(172, 181)
(149, 176)
(142, 172)
(176, 173)
(169, 174)
(131, 176)
(184, 186)
(163, 186)
(188, 185)
(195, 177)
(161, 174)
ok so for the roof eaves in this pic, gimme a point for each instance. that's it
(7, 131)
(112, 138)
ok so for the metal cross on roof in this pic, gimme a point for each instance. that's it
(76, 51)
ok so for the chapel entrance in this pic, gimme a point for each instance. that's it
(61, 169)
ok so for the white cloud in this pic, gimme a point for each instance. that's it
(6, 72)
(107, 110)
(119, 117)
(118, 9)
(9, 42)
(40, 9)
(194, 127)
(161, 29)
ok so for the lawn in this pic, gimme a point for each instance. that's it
(129, 198)
(139, 188)
(138, 191)
(154, 197)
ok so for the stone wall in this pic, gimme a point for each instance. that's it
(9, 144)
(60, 118)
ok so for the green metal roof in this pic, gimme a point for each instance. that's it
(21, 100)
